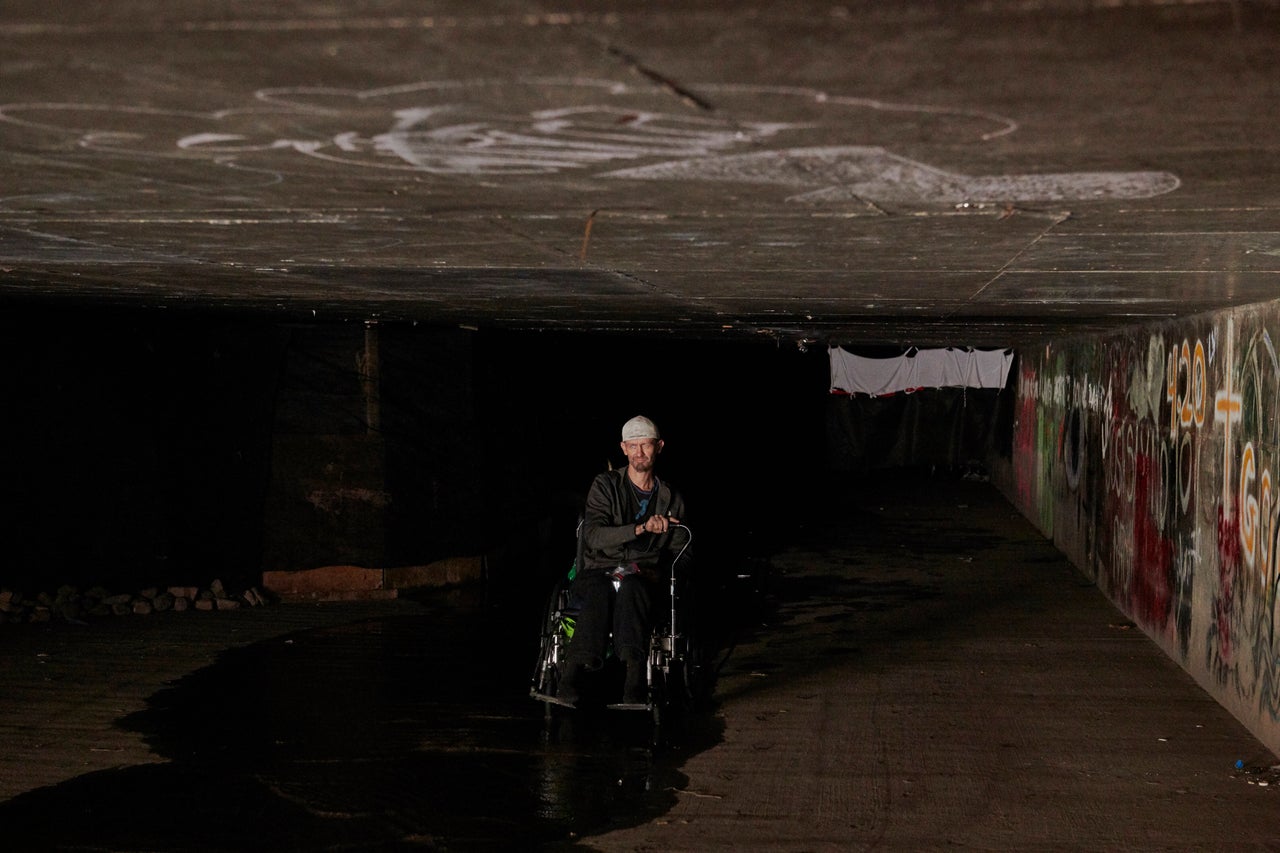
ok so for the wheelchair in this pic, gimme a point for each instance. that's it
(668, 679)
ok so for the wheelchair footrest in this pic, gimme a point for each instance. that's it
(554, 700)
(630, 706)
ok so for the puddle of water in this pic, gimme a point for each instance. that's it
(412, 732)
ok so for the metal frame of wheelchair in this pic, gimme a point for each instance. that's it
(666, 677)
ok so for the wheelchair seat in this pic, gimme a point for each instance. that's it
(667, 680)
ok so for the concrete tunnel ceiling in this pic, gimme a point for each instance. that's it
(986, 174)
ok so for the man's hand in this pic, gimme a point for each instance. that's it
(656, 524)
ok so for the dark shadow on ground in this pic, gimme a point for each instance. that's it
(412, 733)
(418, 733)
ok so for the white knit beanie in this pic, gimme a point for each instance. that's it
(639, 428)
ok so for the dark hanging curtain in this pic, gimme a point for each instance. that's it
(949, 428)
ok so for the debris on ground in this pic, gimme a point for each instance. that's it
(70, 604)
(1263, 777)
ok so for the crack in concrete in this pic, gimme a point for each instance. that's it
(1005, 213)
(661, 79)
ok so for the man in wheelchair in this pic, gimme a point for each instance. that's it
(631, 532)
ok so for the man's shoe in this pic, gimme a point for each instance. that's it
(567, 688)
(567, 695)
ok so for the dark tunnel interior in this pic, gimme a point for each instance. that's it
(169, 447)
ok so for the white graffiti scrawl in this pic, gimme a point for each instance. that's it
(457, 139)
(848, 172)
(818, 149)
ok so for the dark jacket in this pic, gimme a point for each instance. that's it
(609, 524)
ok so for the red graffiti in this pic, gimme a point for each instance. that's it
(1228, 566)
(1024, 438)
(1150, 590)
(1228, 543)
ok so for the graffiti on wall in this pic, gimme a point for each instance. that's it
(1166, 451)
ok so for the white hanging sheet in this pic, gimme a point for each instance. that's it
(926, 368)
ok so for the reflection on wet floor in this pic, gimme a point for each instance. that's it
(923, 677)
(417, 732)
(408, 732)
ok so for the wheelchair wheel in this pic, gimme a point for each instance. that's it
(551, 647)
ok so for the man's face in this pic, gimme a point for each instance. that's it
(641, 453)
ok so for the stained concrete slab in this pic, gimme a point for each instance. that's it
(915, 668)
(987, 173)
(936, 676)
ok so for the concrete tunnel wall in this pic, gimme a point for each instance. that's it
(1152, 459)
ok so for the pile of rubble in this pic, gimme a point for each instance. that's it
(71, 605)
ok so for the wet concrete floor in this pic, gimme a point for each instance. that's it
(914, 669)
(411, 729)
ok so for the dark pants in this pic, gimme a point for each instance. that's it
(629, 612)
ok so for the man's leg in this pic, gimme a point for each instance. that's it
(592, 595)
(632, 621)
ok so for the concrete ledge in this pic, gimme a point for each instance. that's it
(356, 583)
(451, 570)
